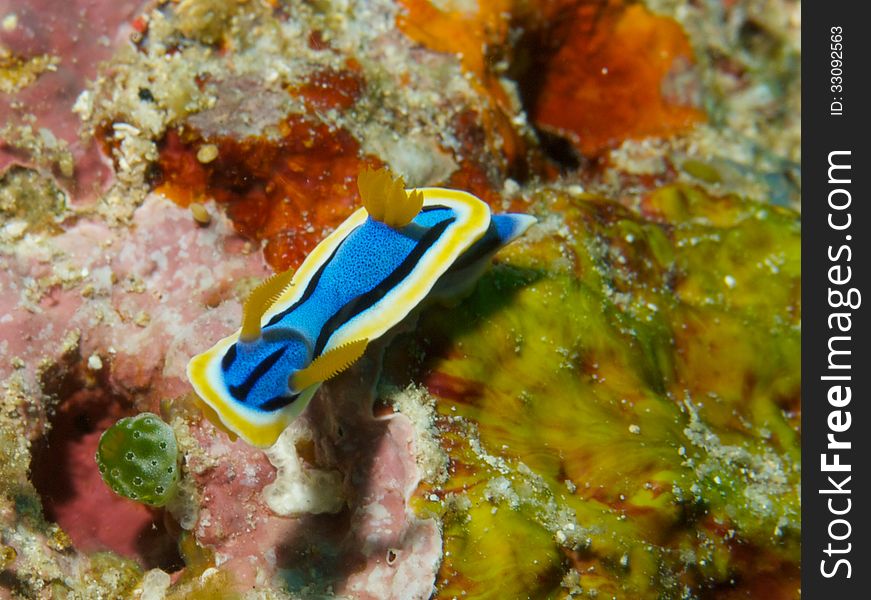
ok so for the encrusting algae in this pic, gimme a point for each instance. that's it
(594, 402)
(612, 410)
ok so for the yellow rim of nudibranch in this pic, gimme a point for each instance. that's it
(255, 427)
(262, 429)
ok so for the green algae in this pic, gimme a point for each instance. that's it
(619, 400)
(702, 171)
(138, 458)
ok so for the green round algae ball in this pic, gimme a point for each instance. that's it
(138, 459)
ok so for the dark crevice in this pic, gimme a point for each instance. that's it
(65, 475)
(532, 59)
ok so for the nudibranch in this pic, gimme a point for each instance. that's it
(300, 329)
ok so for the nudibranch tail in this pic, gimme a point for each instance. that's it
(328, 365)
(511, 226)
(385, 198)
(214, 418)
(259, 301)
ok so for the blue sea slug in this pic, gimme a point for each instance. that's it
(299, 329)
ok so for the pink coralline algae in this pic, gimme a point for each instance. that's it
(123, 329)
(95, 322)
(37, 125)
(111, 284)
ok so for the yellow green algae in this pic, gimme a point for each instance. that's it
(17, 73)
(138, 458)
(619, 401)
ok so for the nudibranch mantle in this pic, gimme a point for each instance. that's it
(360, 281)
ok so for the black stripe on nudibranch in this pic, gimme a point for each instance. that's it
(312, 283)
(278, 402)
(229, 358)
(364, 301)
(240, 392)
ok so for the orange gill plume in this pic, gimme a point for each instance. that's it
(329, 364)
(385, 197)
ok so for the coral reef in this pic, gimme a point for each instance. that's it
(613, 410)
